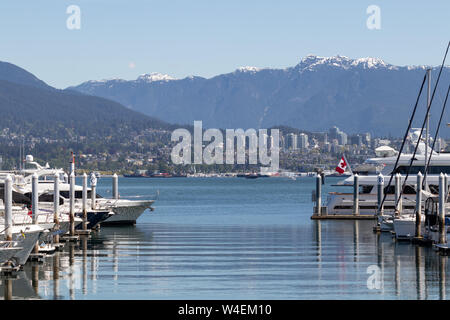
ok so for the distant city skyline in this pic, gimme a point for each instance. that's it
(119, 39)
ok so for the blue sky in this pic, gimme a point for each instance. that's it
(123, 39)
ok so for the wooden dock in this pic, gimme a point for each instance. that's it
(36, 257)
(422, 241)
(443, 249)
(343, 217)
(9, 271)
(59, 246)
(82, 232)
(69, 238)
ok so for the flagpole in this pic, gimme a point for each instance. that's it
(348, 164)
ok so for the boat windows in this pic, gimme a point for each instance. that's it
(78, 194)
(417, 169)
(408, 189)
(18, 198)
(366, 207)
(48, 197)
(366, 189)
(45, 197)
(434, 189)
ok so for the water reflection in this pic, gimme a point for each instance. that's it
(84, 250)
(442, 277)
(327, 260)
(420, 274)
(8, 289)
(17, 287)
(356, 240)
(35, 277)
(55, 264)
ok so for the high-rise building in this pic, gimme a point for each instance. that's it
(303, 141)
(367, 138)
(282, 142)
(335, 133)
(291, 141)
(342, 138)
(356, 139)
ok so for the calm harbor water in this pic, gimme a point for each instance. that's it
(232, 238)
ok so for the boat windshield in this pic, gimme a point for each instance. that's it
(417, 169)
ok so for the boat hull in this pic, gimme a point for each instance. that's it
(94, 218)
(27, 236)
(342, 204)
(127, 212)
(405, 227)
(6, 254)
(64, 226)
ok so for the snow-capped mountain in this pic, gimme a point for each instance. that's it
(312, 62)
(154, 76)
(357, 95)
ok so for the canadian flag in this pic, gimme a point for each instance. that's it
(341, 166)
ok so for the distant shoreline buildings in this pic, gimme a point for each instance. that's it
(330, 141)
(336, 141)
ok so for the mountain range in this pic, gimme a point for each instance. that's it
(31, 107)
(357, 95)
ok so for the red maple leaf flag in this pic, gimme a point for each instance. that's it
(341, 166)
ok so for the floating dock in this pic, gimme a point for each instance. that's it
(443, 249)
(315, 216)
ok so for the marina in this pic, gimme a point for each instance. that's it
(115, 237)
(224, 159)
(232, 245)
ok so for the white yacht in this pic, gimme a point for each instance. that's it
(28, 236)
(342, 202)
(124, 211)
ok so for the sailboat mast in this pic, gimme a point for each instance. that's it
(20, 155)
(427, 135)
(23, 153)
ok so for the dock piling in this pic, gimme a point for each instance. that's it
(72, 204)
(34, 205)
(380, 195)
(84, 201)
(419, 205)
(445, 187)
(319, 194)
(93, 180)
(56, 206)
(398, 197)
(8, 208)
(115, 186)
(34, 198)
(356, 195)
(442, 231)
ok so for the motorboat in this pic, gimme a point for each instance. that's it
(384, 164)
(125, 211)
(9, 249)
(28, 236)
